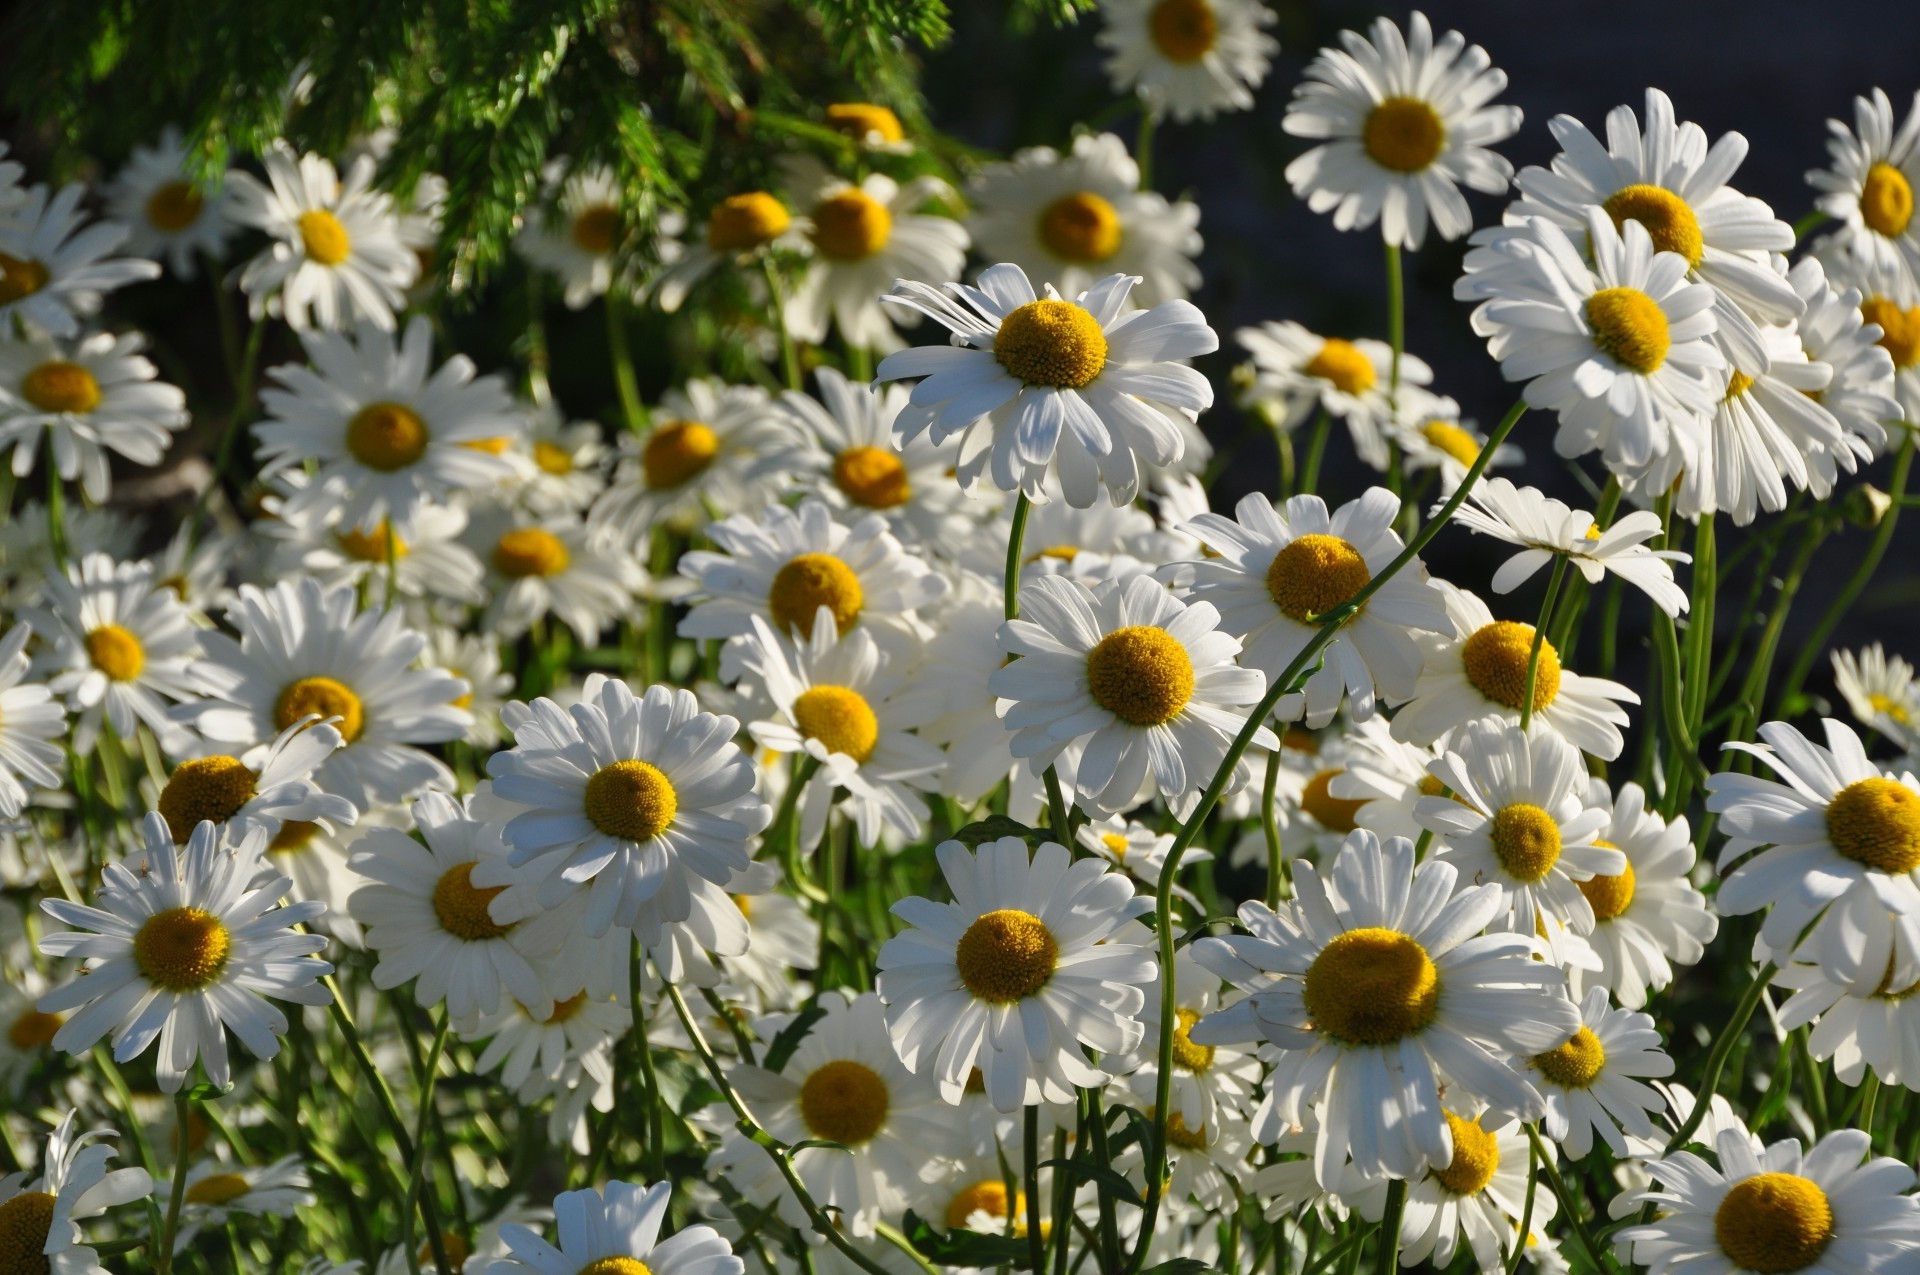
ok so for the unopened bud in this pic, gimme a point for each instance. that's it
(1865, 505)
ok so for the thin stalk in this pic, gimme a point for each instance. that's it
(417, 1176)
(1143, 146)
(1109, 1226)
(1316, 449)
(1869, 1096)
(1540, 637)
(1568, 1205)
(1058, 814)
(891, 1234)
(1526, 1211)
(1016, 538)
(654, 1158)
(56, 511)
(1717, 1058)
(625, 383)
(786, 829)
(1389, 1255)
(243, 378)
(1270, 829)
(1396, 322)
(1563, 634)
(182, 1151)
(1700, 623)
(789, 352)
(1036, 1241)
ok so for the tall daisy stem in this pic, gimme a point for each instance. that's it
(1869, 1098)
(1316, 448)
(621, 353)
(1143, 145)
(1526, 1211)
(789, 351)
(1717, 1059)
(786, 823)
(654, 1156)
(1016, 538)
(1396, 322)
(417, 1176)
(182, 1116)
(1540, 637)
(1270, 829)
(1036, 1239)
(1568, 1205)
(1388, 1259)
(56, 512)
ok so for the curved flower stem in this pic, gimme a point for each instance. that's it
(1389, 1255)
(1270, 829)
(1869, 1097)
(786, 827)
(417, 1177)
(1568, 1205)
(1059, 814)
(655, 1156)
(182, 1113)
(1540, 636)
(891, 1234)
(1016, 537)
(1526, 1212)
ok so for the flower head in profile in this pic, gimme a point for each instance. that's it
(1648, 918)
(1294, 372)
(615, 1231)
(1545, 528)
(1880, 690)
(1188, 59)
(270, 788)
(39, 1219)
(740, 229)
(31, 720)
(1479, 1195)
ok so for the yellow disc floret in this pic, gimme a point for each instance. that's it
(1608, 896)
(809, 582)
(1050, 342)
(1404, 134)
(116, 652)
(1187, 1055)
(615, 1266)
(1576, 1064)
(872, 477)
(861, 120)
(1006, 956)
(1526, 840)
(33, 1030)
(551, 458)
(1630, 328)
(742, 222)
(1877, 822)
(840, 718)
(19, 278)
(294, 836)
(372, 546)
(325, 696)
(1314, 574)
(25, 1222)
(632, 800)
(844, 1101)
(1669, 222)
(1335, 814)
(1899, 329)
(1447, 437)
(988, 1196)
(1081, 227)
(1345, 364)
(1774, 1223)
(1495, 657)
(1187, 1139)
(678, 451)
(1141, 674)
(386, 436)
(182, 949)
(60, 386)
(596, 229)
(1476, 1156)
(1371, 987)
(217, 1189)
(173, 206)
(326, 241)
(463, 908)
(205, 788)
(1183, 30)
(1886, 200)
(530, 551)
(851, 225)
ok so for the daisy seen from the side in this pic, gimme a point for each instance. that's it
(1593, 1082)
(1648, 918)
(1295, 371)
(271, 787)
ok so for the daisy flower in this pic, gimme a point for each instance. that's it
(1213, 1085)
(54, 267)
(26, 1034)
(32, 727)
(475, 660)
(310, 537)
(1650, 917)
(381, 427)
(1383, 991)
(1480, 670)
(1190, 59)
(536, 1054)
(1404, 121)
(86, 397)
(614, 1231)
(1836, 1208)
(305, 649)
(1062, 218)
(578, 241)
(1141, 853)
(1088, 388)
(985, 982)
(39, 1219)
(183, 952)
(626, 796)
(1296, 371)
(699, 455)
(956, 665)
(1593, 1082)
(1148, 683)
(217, 1192)
(1480, 1193)
(172, 213)
(1100, 542)
(1900, 338)
(740, 229)
(1431, 435)
(337, 258)
(553, 567)
(1869, 190)
(1879, 1029)
(1280, 572)
(563, 463)
(275, 789)
(1860, 395)
(782, 938)
(1879, 689)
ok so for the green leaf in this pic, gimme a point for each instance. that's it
(961, 1247)
(1110, 1181)
(994, 827)
(790, 1036)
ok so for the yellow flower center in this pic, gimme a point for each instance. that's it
(1006, 956)
(1669, 222)
(25, 1221)
(1430, 786)
(1451, 439)
(677, 452)
(743, 222)
(1608, 896)
(552, 458)
(1141, 674)
(1476, 1155)
(1630, 328)
(294, 836)
(324, 696)
(1050, 342)
(631, 800)
(386, 436)
(530, 551)
(1774, 1223)
(1737, 384)
(1059, 553)
(182, 949)
(116, 652)
(616, 1266)
(989, 1196)
(463, 907)
(1884, 703)
(840, 718)
(1186, 1054)
(371, 546)
(1495, 658)
(851, 225)
(566, 1009)
(1526, 840)
(206, 788)
(861, 120)
(496, 446)
(1371, 987)
(1314, 574)
(34, 1030)
(457, 1249)
(19, 278)
(325, 239)
(1576, 1064)
(596, 228)
(1335, 814)
(1344, 364)
(1404, 134)
(1183, 30)
(1081, 227)
(1179, 1135)
(812, 581)
(1116, 843)
(174, 206)
(844, 1101)
(217, 1189)
(60, 386)
(1876, 822)
(1899, 329)
(872, 477)
(1886, 200)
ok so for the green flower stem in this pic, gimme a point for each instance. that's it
(182, 1153)
(243, 379)
(1059, 815)
(621, 353)
(1316, 449)
(56, 511)
(1869, 1097)
(1396, 321)
(417, 1177)
(1016, 538)
(1568, 1205)
(1143, 152)
(1540, 637)
(1526, 1211)
(1030, 1148)
(789, 352)
(1700, 624)
(786, 828)
(654, 1157)
(1270, 829)
(1388, 1259)
(1563, 635)
(1717, 1059)
(1109, 1226)
(891, 1234)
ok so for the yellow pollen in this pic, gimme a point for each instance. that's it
(1630, 328)
(861, 120)
(1186, 1139)
(871, 477)
(1344, 364)
(324, 696)
(19, 278)
(1876, 822)
(743, 222)
(616, 1266)
(1081, 227)
(60, 386)
(116, 652)
(1371, 987)
(1183, 30)
(1314, 574)
(206, 788)
(1452, 440)
(812, 581)
(25, 1222)
(1300, 741)
(530, 551)
(1737, 384)
(1059, 553)
(840, 718)
(989, 1196)
(1141, 674)
(1186, 1054)
(1899, 329)
(745, 903)
(458, 1251)
(1669, 222)
(1476, 1156)
(34, 1030)
(1335, 814)
(324, 238)
(1116, 843)
(1886, 200)
(1608, 896)
(1884, 703)
(496, 446)
(294, 836)
(371, 546)
(463, 907)
(631, 800)
(174, 206)
(1526, 840)
(552, 458)
(844, 1101)
(1495, 658)
(217, 1189)
(1050, 342)
(182, 949)
(386, 436)
(1773, 1223)
(677, 452)
(1430, 786)
(566, 1009)
(596, 229)
(1404, 134)
(1006, 956)
(1576, 1064)
(851, 225)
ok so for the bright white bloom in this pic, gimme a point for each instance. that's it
(218, 1191)
(1879, 689)
(86, 398)
(1033, 961)
(1546, 528)
(1405, 120)
(613, 1232)
(740, 229)
(171, 213)
(1190, 59)
(31, 721)
(1858, 1028)
(1089, 388)
(240, 797)
(562, 463)
(1900, 338)
(54, 267)
(310, 537)
(475, 660)
(1592, 1083)
(578, 240)
(1861, 393)
(122, 650)
(38, 1219)
(700, 455)
(1650, 917)
(181, 953)
(1141, 853)
(1480, 1193)
(1869, 190)
(1213, 1085)
(1296, 371)
(1432, 435)
(553, 567)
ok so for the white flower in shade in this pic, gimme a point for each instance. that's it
(577, 241)
(740, 229)
(716, 928)
(1033, 961)
(39, 1219)
(1869, 190)
(475, 660)
(375, 417)
(1190, 59)
(1369, 779)
(1480, 670)
(1648, 918)
(538, 1054)
(1072, 219)
(1860, 394)
(1280, 572)
(1479, 1193)
(31, 722)
(552, 567)
(839, 700)
(1146, 682)
(1545, 528)
(26, 1034)
(171, 212)
(955, 668)
(1296, 371)
(1100, 542)
(1386, 988)
(1837, 1208)
(309, 537)
(1593, 1082)
(1857, 1028)
(54, 267)
(218, 1191)
(782, 938)
(615, 1231)
(1405, 120)
(307, 649)
(1879, 689)
(337, 257)
(625, 796)
(1089, 389)
(277, 787)
(1213, 1085)
(182, 953)
(1518, 817)
(562, 463)
(1140, 852)
(1430, 433)
(85, 397)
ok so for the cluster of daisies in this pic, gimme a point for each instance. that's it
(792, 800)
